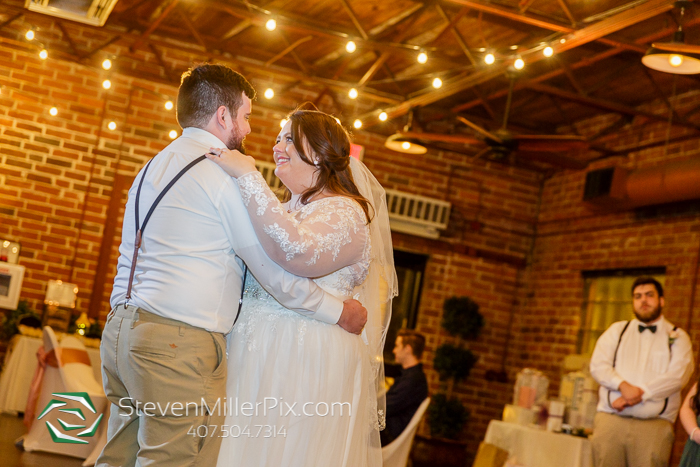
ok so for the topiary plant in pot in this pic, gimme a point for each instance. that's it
(453, 362)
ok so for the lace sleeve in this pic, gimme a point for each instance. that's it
(325, 236)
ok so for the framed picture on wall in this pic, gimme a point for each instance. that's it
(11, 277)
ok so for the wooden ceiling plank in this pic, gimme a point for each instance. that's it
(373, 69)
(606, 105)
(354, 19)
(289, 49)
(144, 37)
(186, 19)
(567, 11)
(460, 40)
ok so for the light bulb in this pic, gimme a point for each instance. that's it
(283, 122)
(383, 116)
(422, 57)
(53, 111)
(353, 93)
(172, 134)
(269, 93)
(29, 35)
(271, 25)
(169, 105)
(43, 54)
(437, 83)
(350, 47)
(548, 51)
(562, 41)
(106, 84)
(406, 145)
(675, 60)
(519, 64)
(489, 59)
(112, 126)
(357, 124)
(107, 64)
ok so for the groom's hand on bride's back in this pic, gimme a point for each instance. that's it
(353, 317)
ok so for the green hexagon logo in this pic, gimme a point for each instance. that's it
(58, 435)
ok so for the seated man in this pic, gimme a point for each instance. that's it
(410, 387)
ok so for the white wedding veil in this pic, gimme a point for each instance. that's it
(381, 284)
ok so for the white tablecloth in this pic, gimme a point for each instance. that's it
(18, 371)
(538, 448)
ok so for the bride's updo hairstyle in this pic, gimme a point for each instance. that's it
(323, 142)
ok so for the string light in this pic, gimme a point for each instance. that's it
(437, 83)
(29, 35)
(106, 84)
(269, 93)
(489, 59)
(383, 116)
(169, 105)
(406, 145)
(172, 134)
(357, 124)
(519, 64)
(353, 93)
(562, 41)
(43, 54)
(53, 111)
(107, 64)
(271, 25)
(422, 57)
(112, 126)
(350, 47)
(283, 122)
(548, 51)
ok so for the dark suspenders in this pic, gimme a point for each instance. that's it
(139, 230)
(615, 361)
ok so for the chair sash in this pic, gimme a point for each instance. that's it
(55, 358)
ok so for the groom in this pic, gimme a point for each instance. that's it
(163, 347)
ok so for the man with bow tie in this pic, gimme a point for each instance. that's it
(641, 366)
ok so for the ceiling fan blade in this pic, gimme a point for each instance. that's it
(551, 143)
(554, 159)
(679, 47)
(443, 138)
(479, 130)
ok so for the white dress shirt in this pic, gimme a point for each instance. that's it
(189, 266)
(647, 360)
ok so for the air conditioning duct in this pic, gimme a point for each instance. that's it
(620, 188)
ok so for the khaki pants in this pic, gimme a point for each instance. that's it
(633, 442)
(160, 376)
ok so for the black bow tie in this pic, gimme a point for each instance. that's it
(652, 328)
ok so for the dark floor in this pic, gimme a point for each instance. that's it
(11, 428)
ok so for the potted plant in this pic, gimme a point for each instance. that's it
(453, 362)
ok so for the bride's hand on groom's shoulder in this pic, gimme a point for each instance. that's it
(234, 163)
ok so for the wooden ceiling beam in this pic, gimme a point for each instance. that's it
(354, 19)
(460, 40)
(237, 29)
(606, 105)
(144, 37)
(567, 11)
(66, 36)
(394, 21)
(288, 50)
(11, 19)
(373, 69)
(581, 37)
(451, 24)
(186, 19)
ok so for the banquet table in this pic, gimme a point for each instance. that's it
(18, 371)
(534, 447)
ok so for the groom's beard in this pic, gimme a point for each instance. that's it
(236, 140)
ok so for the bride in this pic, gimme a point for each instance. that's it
(303, 393)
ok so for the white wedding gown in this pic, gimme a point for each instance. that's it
(301, 390)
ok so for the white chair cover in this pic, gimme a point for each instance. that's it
(395, 454)
(68, 377)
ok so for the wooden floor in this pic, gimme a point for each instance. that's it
(11, 428)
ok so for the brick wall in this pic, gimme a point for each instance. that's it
(516, 243)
